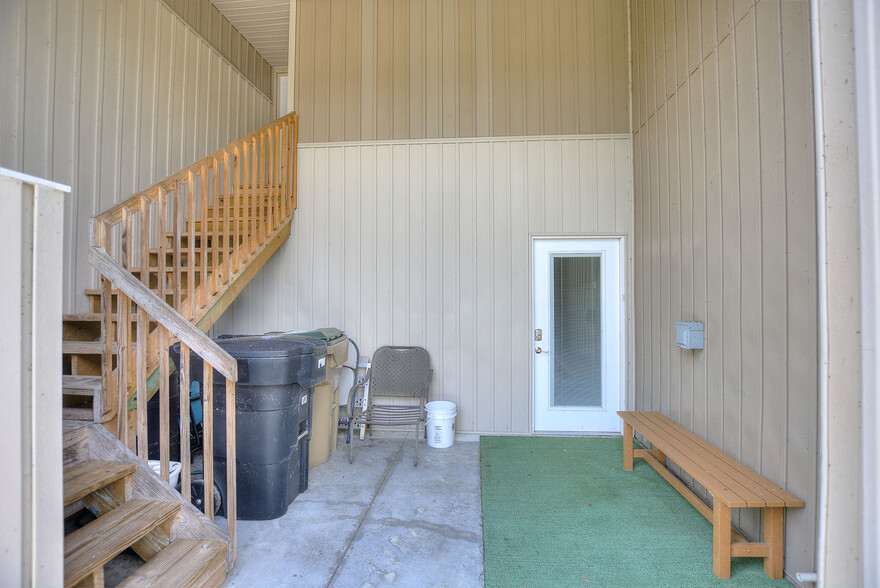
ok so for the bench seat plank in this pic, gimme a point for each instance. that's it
(773, 494)
(706, 472)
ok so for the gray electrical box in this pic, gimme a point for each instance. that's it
(689, 335)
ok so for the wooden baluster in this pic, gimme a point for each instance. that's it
(273, 179)
(107, 381)
(285, 159)
(178, 216)
(279, 181)
(264, 180)
(255, 191)
(143, 334)
(215, 224)
(99, 239)
(163, 245)
(191, 248)
(164, 405)
(291, 188)
(185, 466)
(236, 206)
(248, 199)
(264, 204)
(208, 436)
(123, 335)
(227, 197)
(293, 181)
(203, 239)
(231, 486)
(123, 354)
(184, 416)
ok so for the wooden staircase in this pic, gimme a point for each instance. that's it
(137, 510)
(172, 259)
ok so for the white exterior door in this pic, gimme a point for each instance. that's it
(578, 334)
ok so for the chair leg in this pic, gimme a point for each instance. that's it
(416, 436)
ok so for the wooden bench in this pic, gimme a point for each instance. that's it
(731, 484)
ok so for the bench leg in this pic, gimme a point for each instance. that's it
(627, 447)
(721, 540)
(658, 455)
(774, 528)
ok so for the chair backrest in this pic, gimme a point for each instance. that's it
(400, 371)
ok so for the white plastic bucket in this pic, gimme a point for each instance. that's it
(173, 471)
(440, 423)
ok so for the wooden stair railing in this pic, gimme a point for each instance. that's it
(149, 306)
(178, 254)
(209, 228)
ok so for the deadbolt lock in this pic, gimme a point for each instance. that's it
(538, 335)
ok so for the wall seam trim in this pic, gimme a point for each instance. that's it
(466, 140)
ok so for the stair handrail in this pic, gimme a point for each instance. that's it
(169, 318)
(213, 356)
(114, 214)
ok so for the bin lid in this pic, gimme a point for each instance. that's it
(265, 360)
(271, 346)
(328, 335)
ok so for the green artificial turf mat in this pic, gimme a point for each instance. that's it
(560, 511)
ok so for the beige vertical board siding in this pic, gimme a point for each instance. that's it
(108, 96)
(437, 253)
(207, 22)
(801, 441)
(403, 69)
(725, 214)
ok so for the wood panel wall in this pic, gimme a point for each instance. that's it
(403, 69)
(726, 234)
(428, 243)
(109, 96)
(217, 31)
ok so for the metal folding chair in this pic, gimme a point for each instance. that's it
(398, 380)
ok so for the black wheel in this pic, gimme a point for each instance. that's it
(198, 496)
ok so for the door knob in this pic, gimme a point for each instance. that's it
(539, 350)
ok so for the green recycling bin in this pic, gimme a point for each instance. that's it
(325, 402)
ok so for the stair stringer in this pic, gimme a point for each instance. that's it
(92, 441)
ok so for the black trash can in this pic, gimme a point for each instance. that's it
(276, 375)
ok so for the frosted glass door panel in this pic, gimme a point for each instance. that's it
(577, 331)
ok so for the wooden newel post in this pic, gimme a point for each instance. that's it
(231, 488)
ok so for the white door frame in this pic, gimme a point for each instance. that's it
(623, 302)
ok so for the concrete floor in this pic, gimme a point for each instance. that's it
(377, 522)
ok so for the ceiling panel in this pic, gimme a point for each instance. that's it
(264, 23)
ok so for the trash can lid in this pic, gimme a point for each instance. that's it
(329, 335)
(271, 346)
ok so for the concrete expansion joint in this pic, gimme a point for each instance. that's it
(363, 517)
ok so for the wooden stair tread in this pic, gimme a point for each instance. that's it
(92, 317)
(80, 385)
(185, 563)
(85, 347)
(101, 540)
(86, 477)
(72, 413)
(95, 317)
